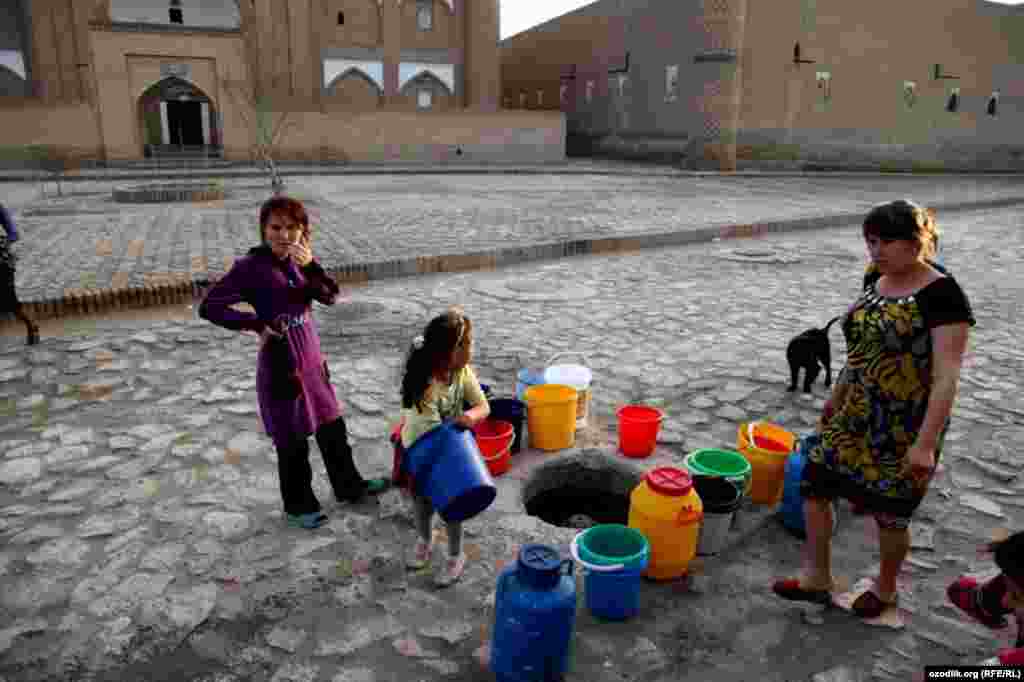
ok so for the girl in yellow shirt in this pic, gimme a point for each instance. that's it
(437, 382)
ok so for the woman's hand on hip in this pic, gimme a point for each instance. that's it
(919, 462)
(268, 334)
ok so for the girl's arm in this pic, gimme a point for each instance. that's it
(475, 395)
(319, 285)
(230, 290)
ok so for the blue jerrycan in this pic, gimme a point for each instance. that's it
(792, 506)
(534, 617)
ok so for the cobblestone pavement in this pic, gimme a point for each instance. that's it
(86, 242)
(139, 511)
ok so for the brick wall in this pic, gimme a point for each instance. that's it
(859, 116)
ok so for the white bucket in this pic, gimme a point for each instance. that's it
(577, 376)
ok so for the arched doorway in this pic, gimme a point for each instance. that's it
(178, 117)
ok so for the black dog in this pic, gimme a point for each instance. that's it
(810, 350)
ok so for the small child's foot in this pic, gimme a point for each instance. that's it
(420, 556)
(453, 569)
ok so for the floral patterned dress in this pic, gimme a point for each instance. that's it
(881, 395)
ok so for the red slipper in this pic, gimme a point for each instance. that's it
(965, 594)
(869, 605)
(789, 588)
(1013, 657)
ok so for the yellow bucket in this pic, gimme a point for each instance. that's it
(668, 511)
(768, 466)
(551, 416)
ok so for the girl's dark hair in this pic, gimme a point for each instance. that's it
(292, 208)
(1009, 556)
(440, 339)
(903, 219)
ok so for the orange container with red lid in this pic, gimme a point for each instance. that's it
(666, 509)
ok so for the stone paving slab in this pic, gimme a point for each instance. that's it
(141, 535)
(85, 245)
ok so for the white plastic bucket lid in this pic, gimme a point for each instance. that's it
(577, 376)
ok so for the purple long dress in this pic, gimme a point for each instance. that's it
(276, 288)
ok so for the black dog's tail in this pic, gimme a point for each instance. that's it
(830, 322)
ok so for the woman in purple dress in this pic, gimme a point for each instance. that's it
(280, 279)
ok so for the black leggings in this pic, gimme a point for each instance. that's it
(296, 476)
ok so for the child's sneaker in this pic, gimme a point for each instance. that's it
(965, 594)
(420, 556)
(452, 571)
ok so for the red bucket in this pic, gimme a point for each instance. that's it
(494, 438)
(638, 429)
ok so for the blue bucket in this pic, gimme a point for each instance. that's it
(448, 469)
(527, 378)
(613, 590)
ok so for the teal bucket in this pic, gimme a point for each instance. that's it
(613, 557)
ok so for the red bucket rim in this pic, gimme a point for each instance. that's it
(652, 413)
(506, 429)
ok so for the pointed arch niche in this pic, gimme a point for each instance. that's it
(426, 91)
(443, 73)
(355, 85)
(174, 111)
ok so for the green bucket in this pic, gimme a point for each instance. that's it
(612, 543)
(727, 464)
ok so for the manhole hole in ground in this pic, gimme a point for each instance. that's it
(581, 489)
(574, 507)
(759, 255)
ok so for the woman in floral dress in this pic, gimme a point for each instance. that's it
(881, 435)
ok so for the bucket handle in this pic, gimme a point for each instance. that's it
(750, 433)
(574, 550)
(567, 352)
(501, 453)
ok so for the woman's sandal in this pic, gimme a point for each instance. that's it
(965, 594)
(309, 521)
(789, 588)
(869, 605)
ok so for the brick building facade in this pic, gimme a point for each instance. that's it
(721, 83)
(415, 80)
